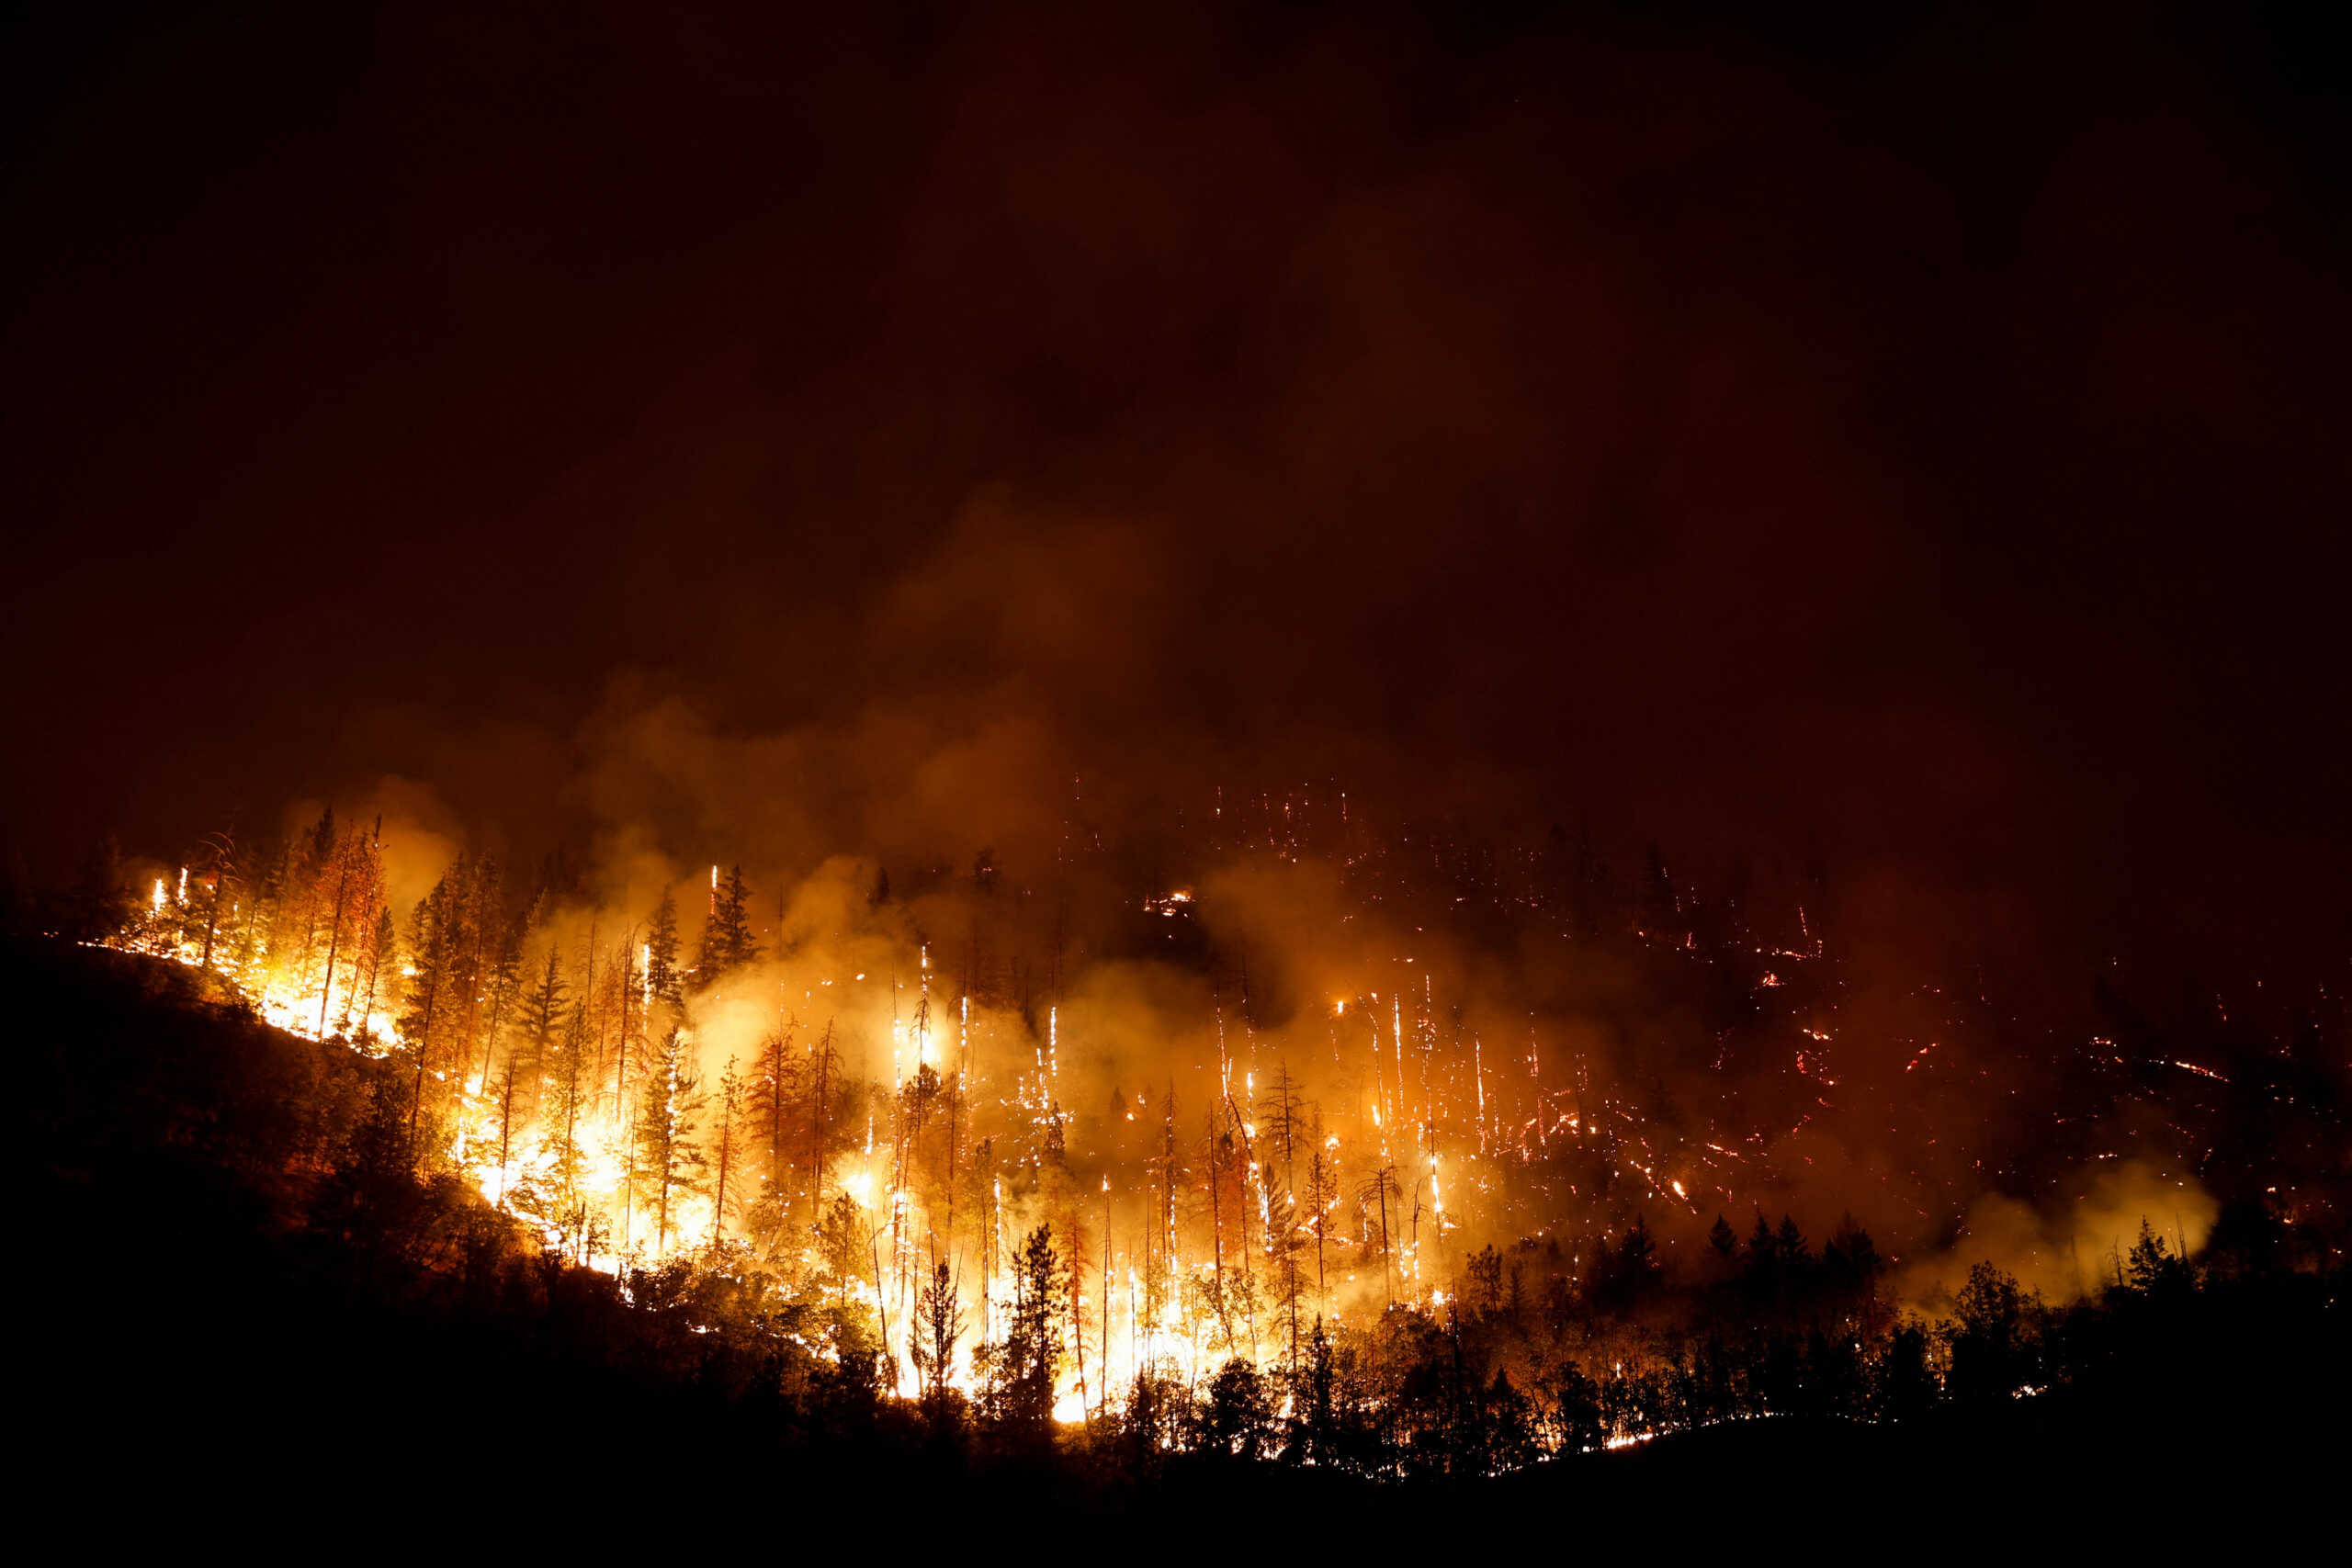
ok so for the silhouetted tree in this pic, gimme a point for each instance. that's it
(662, 981)
(101, 903)
(2151, 1270)
(1023, 1366)
(1236, 1417)
(727, 940)
(1507, 1439)
(1990, 1356)
(1576, 1415)
(1907, 1383)
(939, 1322)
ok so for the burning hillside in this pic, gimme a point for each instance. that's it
(1308, 1089)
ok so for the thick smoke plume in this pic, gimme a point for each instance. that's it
(2073, 1244)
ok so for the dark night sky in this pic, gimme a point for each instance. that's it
(1924, 436)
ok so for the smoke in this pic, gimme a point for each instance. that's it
(861, 834)
(2074, 1243)
(1502, 439)
(888, 780)
(1579, 426)
(421, 832)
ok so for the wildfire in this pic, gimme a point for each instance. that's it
(600, 1087)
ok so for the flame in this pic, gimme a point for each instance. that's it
(1163, 1283)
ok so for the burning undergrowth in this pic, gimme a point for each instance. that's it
(1264, 1066)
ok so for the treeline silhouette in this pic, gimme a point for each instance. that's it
(242, 1280)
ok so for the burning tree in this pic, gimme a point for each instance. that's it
(668, 1162)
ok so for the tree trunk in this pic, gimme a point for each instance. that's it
(335, 943)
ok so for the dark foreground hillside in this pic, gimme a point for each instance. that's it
(247, 1318)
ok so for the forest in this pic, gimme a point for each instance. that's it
(1420, 780)
(480, 1157)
